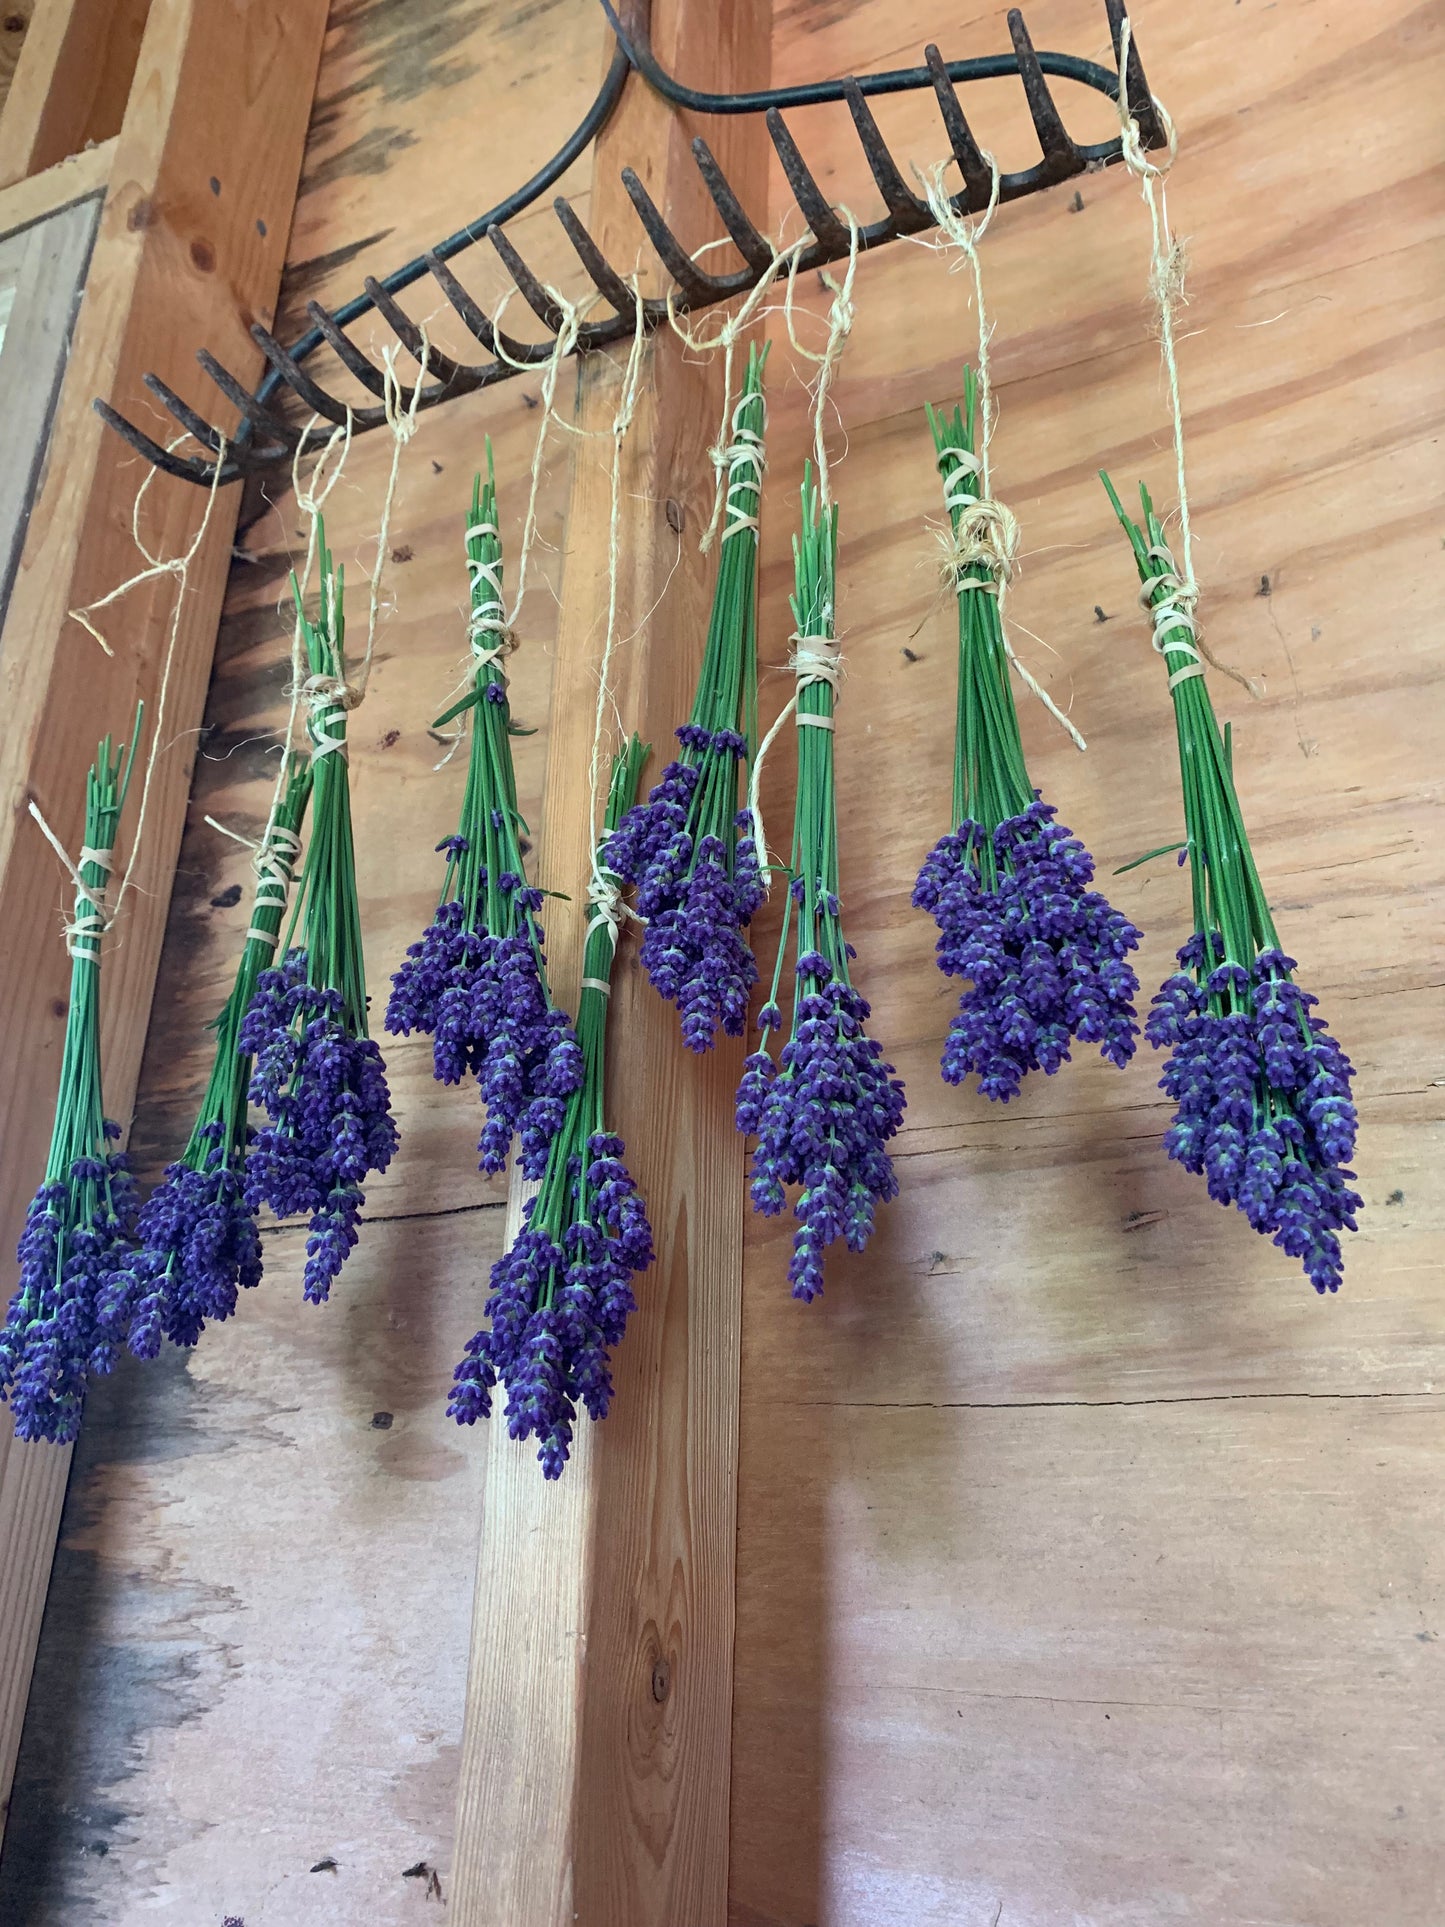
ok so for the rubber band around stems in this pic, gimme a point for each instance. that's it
(1166, 290)
(274, 861)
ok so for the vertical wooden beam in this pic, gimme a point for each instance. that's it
(188, 252)
(71, 82)
(596, 1752)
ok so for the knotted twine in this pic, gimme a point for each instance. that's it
(604, 899)
(986, 534)
(814, 658)
(84, 930)
(735, 447)
(1168, 261)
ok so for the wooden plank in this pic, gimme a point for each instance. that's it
(71, 180)
(178, 262)
(71, 83)
(13, 29)
(1069, 1441)
(594, 1768)
(42, 273)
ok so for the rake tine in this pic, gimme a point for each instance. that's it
(605, 278)
(479, 325)
(450, 374)
(186, 468)
(537, 298)
(364, 369)
(1061, 158)
(827, 230)
(297, 379)
(698, 288)
(196, 426)
(246, 403)
(907, 213)
(1141, 101)
(745, 237)
(977, 179)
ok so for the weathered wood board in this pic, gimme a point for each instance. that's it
(1087, 1564)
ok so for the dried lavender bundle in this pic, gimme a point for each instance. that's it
(316, 1071)
(823, 1115)
(476, 982)
(561, 1296)
(79, 1224)
(1261, 1089)
(689, 849)
(1045, 956)
(197, 1245)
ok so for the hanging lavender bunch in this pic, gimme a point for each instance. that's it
(823, 1115)
(1261, 1089)
(1044, 955)
(197, 1245)
(476, 982)
(79, 1224)
(316, 1071)
(689, 850)
(561, 1296)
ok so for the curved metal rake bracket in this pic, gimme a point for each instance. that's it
(265, 439)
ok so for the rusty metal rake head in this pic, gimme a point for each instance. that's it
(266, 439)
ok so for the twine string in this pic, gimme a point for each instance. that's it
(571, 316)
(274, 861)
(604, 898)
(840, 326)
(814, 659)
(1167, 267)
(986, 534)
(88, 927)
(724, 452)
(401, 419)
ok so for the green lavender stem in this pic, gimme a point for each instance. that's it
(990, 781)
(1228, 895)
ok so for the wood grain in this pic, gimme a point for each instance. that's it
(1086, 1562)
(71, 84)
(175, 264)
(595, 1755)
(40, 195)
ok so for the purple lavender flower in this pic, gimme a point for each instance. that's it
(1045, 955)
(484, 1001)
(1262, 1100)
(197, 1247)
(324, 1090)
(558, 1305)
(77, 1232)
(822, 1119)
(696, 889)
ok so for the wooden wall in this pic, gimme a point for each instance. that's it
(1088, 1565)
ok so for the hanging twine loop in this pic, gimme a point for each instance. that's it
(84, 932)
(605, 908)
(840, 326)
(814, 659)
(986, 534)
(726, 450)
(1167, 267)
(571, 316)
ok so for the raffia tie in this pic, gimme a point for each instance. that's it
(814, 659)
(723, 453)
(986, 534)
(274, 861)
(1168, 263)
(83, 934)
(85, 928)
(489, 633)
